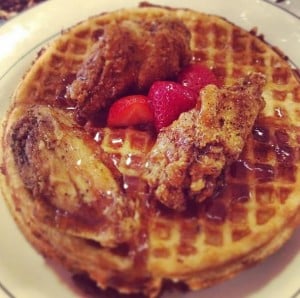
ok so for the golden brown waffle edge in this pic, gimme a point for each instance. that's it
(251, 219)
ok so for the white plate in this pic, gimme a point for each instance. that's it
(23, 272)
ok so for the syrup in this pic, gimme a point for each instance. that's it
(261, 134)
(240, 193)
(135, 186)
(216, 211)
(90, 288)
(240, 168)
(228, 197)
(284, 154)
(263, 172)
(279, 112)
(282, 137)
(61, 99)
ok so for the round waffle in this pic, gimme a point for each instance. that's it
(246, 220)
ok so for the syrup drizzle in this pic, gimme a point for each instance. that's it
(214, 209)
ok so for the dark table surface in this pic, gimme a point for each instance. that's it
(10, 8)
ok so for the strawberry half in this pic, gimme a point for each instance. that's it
(169, 100)
(197, 76)
(130, 110)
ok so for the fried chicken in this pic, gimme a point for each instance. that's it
(190, 154)
(73, 183)
(129, 57)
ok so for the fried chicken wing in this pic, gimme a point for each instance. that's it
(190, 154)
(128, 57)
(73, 183)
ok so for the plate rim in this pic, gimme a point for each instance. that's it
(41, 5)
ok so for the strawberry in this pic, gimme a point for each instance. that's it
(196, 77)
(130, 110)
(168, 100)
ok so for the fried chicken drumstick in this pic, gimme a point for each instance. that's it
(190, 154)
(75, 186)
(129, 57)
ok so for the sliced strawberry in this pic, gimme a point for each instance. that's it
(168, 100)
(197, 76)
(130, 110)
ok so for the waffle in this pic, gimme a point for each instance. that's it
(248, 218)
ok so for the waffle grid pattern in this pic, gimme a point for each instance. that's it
(261, 195)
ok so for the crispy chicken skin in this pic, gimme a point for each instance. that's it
(74, 186)
(190, 154)
(129, 57)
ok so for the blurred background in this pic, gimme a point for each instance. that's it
(10, 8)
